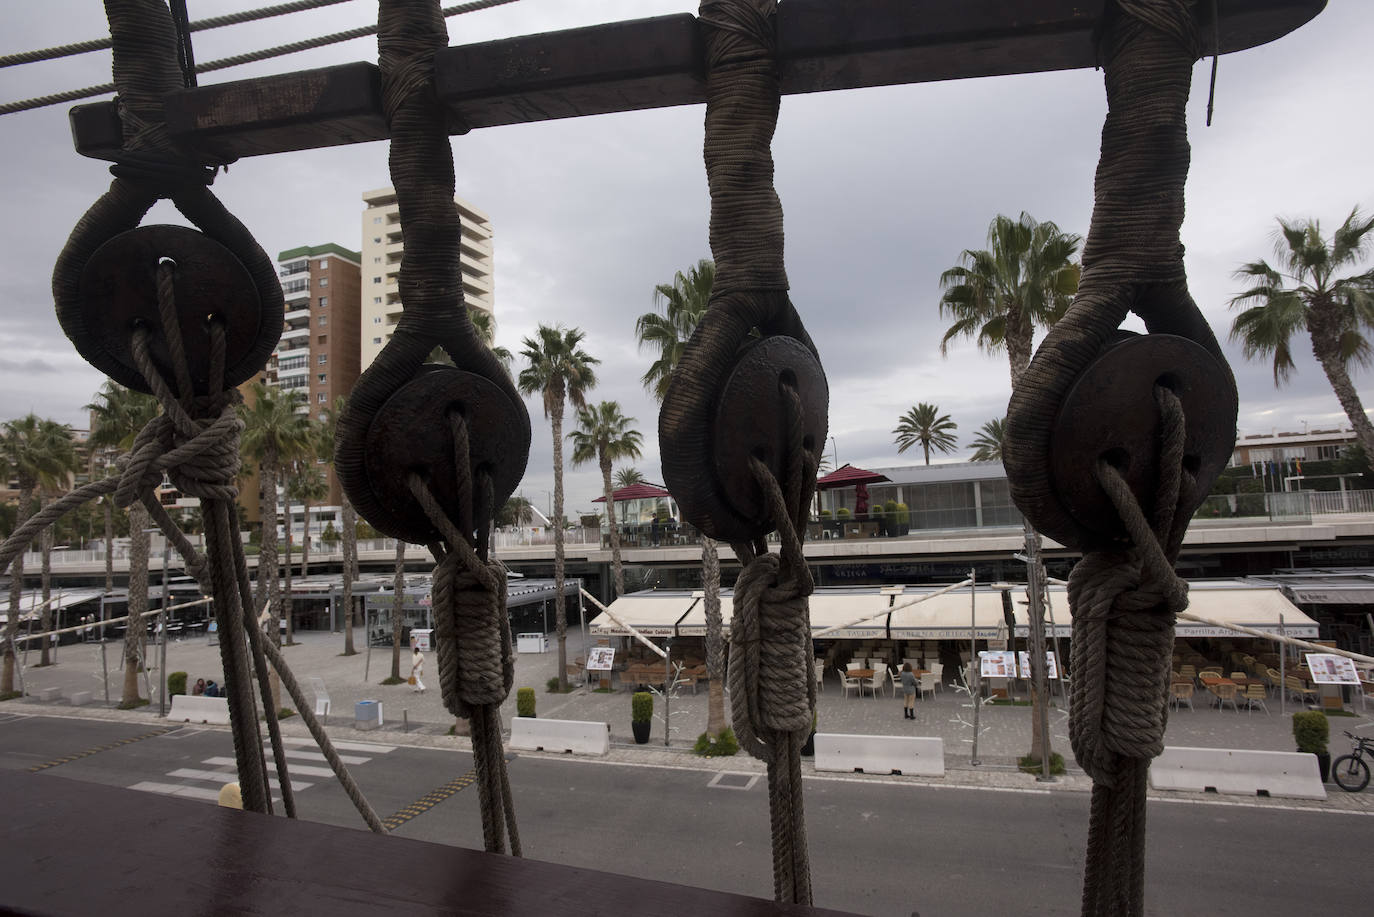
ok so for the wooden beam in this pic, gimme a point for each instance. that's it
(823, 46)
(74, 849)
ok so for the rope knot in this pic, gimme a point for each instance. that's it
(472, 636)
(772, 681)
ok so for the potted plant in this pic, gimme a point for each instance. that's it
(641, 715)
(524, 702)
(1310, 731)
(903, 519)
(894, 521)
(809, 748)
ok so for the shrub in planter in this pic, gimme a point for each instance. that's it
(842, 513)
(524, 702)
(641, 715)
(1310, 732)
(724, 746)
(903, 519)
(176, 683)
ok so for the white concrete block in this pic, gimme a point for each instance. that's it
(80, 698)
(189, 708)
(578, 737)
(49, 694)
(907, 755)
(1238, 772)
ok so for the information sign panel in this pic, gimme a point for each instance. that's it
(600, 658)
(1330, 669)
(1023, 662)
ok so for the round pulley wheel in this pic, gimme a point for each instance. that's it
(1110, 413)
(119, 294)
(750, 422)
(411, 433)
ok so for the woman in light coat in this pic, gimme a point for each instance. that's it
(417, 669)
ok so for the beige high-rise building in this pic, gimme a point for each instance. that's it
(381, 267)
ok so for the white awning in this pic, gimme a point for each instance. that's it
(66, 598)
(653, 614)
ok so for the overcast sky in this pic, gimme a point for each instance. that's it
(882, 188)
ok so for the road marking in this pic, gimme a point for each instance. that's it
(429, 800)
(177, 789)
(11, 717)
(726, 780)
(95, 750)
(316, 756)
(302, 770)
(342, 746)
(189, 773)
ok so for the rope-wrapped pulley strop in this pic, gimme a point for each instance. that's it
(187, 316)
(744, 419)
(1113, 439)
(426, 451)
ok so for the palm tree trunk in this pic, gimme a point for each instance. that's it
(398, 585)
(107, 502)
(305, 540)
(1335, 368)
(136, 635)
(1019, 336)
(559, 607)
(16, 594)
(45, 541)
(715, 638)
(287, 610)
(617, 567)
(350, 551)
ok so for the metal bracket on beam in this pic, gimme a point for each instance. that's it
(655, 63)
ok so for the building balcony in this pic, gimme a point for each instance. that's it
(295, 334)
(297, 315)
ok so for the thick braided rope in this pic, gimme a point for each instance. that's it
(1124, 605)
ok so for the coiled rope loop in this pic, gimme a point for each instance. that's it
(1112, 443)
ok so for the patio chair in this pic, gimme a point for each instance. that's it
(847, 682)
(1188, 671)
(927, 686)
(1214, 669)
(1181, 692)
(1255, 694)
(878, 679)
(937, 670)
(1239, 676)
(1273, 679)
(1225, 694)
(1299, 691)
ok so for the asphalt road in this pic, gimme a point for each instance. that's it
(878, 846)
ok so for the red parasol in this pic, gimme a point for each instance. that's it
(849, 476)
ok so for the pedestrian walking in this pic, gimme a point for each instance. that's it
(908, 692)
(417, 669)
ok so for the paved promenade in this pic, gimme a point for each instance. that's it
(420, 719)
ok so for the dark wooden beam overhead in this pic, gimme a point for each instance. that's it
(74, 849)
(824, 45)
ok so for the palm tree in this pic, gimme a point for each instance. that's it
(398, 583)
(925, 424)
(117, 414)
(999, 294)
(305, 484)
(988, 442)
(559, 371)
(683, 303)
(516, 511)
(40, 455)
(603, 434)
(274, 433)
(326, 433)
(482, 321)
(1304, 293)
(627, 476)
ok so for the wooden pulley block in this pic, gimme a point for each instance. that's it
(751, 420)
(119, 293)
(412, 434)
(1110, 413)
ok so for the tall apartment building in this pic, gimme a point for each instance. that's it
(318, 351)
(381, 266)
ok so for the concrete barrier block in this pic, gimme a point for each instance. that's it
(189, 708)
(907, 755)
(49, 694)
(578, 737)
(80, 698)
(1240, 772)
(367, 714)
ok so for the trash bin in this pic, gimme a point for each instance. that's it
(368, 715)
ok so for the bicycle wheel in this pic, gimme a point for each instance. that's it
(1350, 773)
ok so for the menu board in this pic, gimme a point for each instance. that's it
(997, 664)
(1023, 661)
(1330, 669)
(600, 658)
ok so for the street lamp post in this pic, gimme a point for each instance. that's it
(835, 452)
(162, 617)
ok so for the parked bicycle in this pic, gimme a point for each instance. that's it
(1351, 772)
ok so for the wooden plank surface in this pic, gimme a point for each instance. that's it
(823, 45)
(74, 849)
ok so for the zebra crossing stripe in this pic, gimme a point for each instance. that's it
(95, 750)
(429, 800)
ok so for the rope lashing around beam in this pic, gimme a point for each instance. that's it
(1113, 441)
